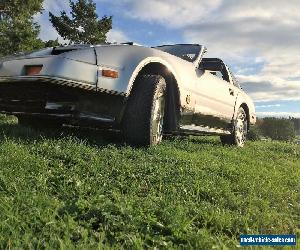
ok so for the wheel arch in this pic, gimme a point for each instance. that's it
(173, 91)
(246, 108)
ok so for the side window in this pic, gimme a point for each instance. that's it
(217, 73)
(215, 67)
(222, 74)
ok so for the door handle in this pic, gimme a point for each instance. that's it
(231, 91)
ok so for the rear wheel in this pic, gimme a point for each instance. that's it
(238, 136)
(144, 115)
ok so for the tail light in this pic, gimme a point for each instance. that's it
(31, 70)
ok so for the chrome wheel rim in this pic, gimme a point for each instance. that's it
(241, 129)
(158, 117)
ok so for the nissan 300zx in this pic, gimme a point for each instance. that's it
(144, 92)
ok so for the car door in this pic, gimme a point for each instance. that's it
(215, 96)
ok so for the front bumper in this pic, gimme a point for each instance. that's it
(57, 98)
(252, 119)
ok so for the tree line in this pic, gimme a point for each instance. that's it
(296, 122)
(20, 33)
(283, 129)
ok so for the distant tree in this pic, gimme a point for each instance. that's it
(52, 43)
(296, 122)
(18, 31)
(278, 129)
(254, 133)
(83, 26)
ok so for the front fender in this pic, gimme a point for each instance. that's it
(145, 62)
(128, 61)
(242, 100)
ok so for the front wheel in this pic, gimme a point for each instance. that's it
(239, 134)
(144, 116)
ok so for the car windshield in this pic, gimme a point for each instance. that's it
(188, 52)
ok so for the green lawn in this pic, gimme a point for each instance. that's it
(72, 188)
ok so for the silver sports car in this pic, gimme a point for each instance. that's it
(143, 92)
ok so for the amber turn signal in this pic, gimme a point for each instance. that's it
(110, 73)
(33, 70)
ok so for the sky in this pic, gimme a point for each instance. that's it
(259, 40)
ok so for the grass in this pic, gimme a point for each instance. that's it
(74, 189)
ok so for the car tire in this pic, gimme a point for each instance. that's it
(39, 122)
(239, 134)
(144, 115)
